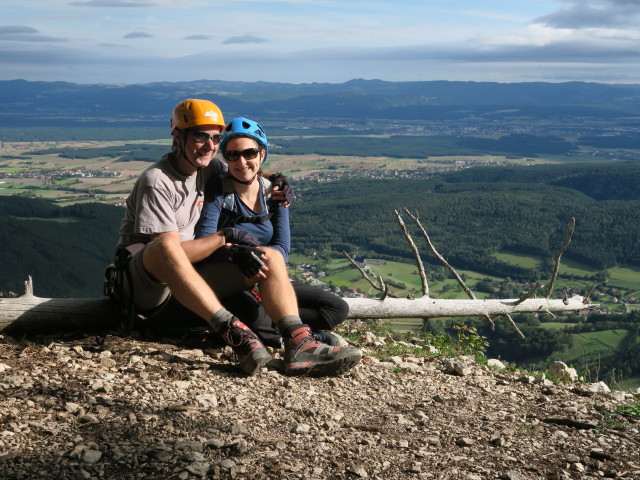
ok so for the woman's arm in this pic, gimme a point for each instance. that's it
(281, 239)
(211, 209)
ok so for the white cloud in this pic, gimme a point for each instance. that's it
(320, 40)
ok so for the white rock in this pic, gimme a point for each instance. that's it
(561, 370)
(91, 456)
(599, 387)
(301, 428)
(495, 363)
(207, 400)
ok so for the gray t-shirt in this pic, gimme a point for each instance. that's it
(164, 200)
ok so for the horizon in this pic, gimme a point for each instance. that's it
(637, 83)
(320, 41)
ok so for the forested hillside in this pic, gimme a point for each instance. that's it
(473, 213)
(65, 250)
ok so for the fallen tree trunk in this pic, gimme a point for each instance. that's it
(425, 307)
(29, 314)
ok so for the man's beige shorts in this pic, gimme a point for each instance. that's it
(224, 278)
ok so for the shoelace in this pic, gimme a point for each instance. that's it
(319, 336)
(306, 340)
(236, 337)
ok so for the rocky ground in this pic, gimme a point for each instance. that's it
(178, 408)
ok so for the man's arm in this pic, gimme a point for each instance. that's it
(281, 191)
(200, 248)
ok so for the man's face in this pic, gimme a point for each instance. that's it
(200, 146)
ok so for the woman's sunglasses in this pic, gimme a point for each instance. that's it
(247, 154)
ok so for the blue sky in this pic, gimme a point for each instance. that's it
(304, 41)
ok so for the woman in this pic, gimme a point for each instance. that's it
(241, 199)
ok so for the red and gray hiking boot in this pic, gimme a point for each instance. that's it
(303, 354)
(249, 350)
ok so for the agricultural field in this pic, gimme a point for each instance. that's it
(556, 325)
(591, 351)
(342, 274)
(568, 267)
(67, 180)
(624, 279)
(301, 166)
(108, 179)
(588, 349)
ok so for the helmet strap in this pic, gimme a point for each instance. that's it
(181, 142)
(248, 182)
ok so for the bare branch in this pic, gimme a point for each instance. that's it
(490, 320)
(440, 257)
(586, 297)
(529, 294)
(28, 286)
(385, 288)
(381, 286)
(513, 324)
(556, 267)
(416, 254)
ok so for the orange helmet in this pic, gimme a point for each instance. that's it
(194, 112)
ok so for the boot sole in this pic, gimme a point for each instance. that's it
(325, 368)
(253, 365)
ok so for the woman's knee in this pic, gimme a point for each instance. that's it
(274, 258)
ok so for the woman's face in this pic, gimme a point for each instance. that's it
(244, 169)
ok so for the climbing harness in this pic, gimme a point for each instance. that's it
(121, 297)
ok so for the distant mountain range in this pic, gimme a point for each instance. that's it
(46, 103)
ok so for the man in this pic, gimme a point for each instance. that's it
(160, 219)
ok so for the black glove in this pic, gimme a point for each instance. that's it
(280, 181)
(233, 235)
(245, 257)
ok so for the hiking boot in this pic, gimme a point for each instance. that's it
(330, 338)
(247, 347)
(303, 354)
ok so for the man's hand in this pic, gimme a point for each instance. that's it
(239, 237)
(282, 192)
(245, 257)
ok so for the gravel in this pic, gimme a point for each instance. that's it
(177, 407)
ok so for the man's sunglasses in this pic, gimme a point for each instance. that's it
(247, 154)
(203, 137)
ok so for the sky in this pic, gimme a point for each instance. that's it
(325, 41)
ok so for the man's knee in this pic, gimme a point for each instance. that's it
(164, 245)
(161, 253)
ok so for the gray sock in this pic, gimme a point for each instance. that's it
(221, 320)
(288, 321)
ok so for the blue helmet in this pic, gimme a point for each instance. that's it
(243, 127)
